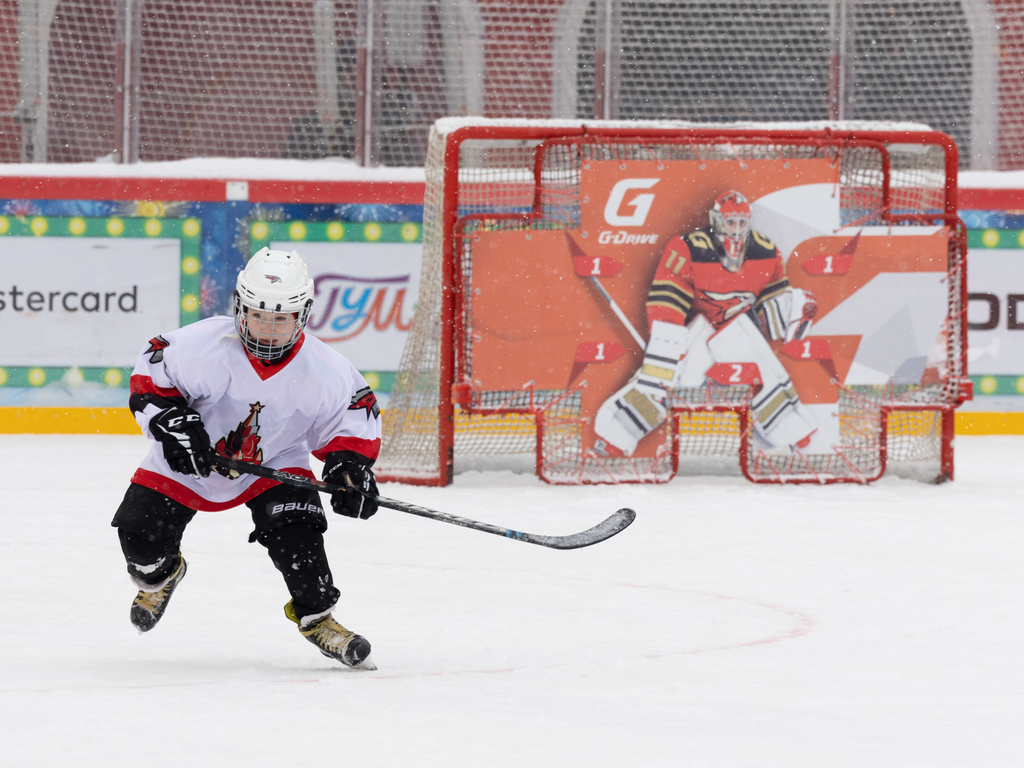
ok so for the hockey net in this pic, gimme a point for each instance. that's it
(488, 179)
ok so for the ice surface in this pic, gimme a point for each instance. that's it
(730, 625)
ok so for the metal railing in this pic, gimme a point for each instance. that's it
(146, 80)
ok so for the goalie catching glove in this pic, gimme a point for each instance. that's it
(786, 315)
(353, 473)
(186, 445)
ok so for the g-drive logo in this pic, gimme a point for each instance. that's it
(641, 205)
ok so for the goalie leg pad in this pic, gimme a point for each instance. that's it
(779, 415)
(627, 417)
(638, 408)
(697, 360)
(667, 344)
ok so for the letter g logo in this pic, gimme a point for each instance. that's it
(641, 203)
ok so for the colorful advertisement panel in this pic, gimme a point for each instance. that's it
(78, 293)
(995, 317)
(560, 307)
(366, 277)
(214, 238)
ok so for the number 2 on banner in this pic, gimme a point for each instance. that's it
(734, 373)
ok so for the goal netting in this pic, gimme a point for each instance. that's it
(513, 349)
(512, 185)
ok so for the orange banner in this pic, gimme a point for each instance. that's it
(560, 308)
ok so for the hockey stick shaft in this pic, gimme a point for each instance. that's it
(603, 530)
(619, 313)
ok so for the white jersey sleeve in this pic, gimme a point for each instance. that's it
(153, 386)
(349, 419)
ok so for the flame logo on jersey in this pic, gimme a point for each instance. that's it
(733, 302)
(156, 349)
(243, 442)
(365, 400)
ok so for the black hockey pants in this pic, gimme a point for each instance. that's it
(289, 522)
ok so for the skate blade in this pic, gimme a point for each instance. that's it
(366, 664)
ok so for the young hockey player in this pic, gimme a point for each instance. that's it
(260, 390)
(718, 295)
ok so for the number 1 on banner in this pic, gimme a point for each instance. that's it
(598, 351)
(808, 349)
(595, 266)
(829, 264)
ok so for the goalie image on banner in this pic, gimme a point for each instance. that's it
(686, 275)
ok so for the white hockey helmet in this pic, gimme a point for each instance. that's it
(730, 222)
(275, 291)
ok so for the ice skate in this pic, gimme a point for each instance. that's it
(333, 640)
(148, 607)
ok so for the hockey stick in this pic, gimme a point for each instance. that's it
(603, 530)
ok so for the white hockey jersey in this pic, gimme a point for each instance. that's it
(313, 401)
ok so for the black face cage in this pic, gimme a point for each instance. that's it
(269, 352)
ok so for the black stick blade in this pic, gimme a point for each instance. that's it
(604, 530)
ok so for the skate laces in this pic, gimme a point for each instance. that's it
(328, 634)
(151, 601)
(154, 601)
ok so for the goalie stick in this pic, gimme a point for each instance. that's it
(618, 312)
(603, 530)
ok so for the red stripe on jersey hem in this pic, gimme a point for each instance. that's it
(266, 371)
(192, 500)
(368, 448)
(143, 385)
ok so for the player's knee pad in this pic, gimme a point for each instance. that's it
(285, 505)
(148, 564)
(150, 525)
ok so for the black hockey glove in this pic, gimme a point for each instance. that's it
(351, 471)
(186, 445)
